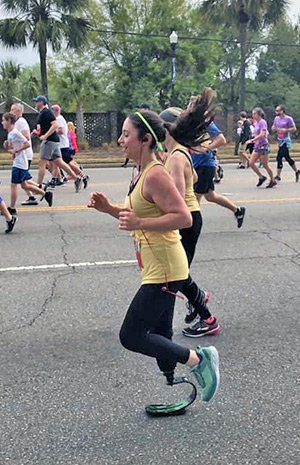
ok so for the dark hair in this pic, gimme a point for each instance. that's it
(260, 111)
(145, 106)
(190, 126)
(282, 108)
(9, 117)
(154, 121)
(243, 114)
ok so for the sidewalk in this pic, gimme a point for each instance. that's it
(113, 157)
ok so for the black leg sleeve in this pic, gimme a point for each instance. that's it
(147, 327)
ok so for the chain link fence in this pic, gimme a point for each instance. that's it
(99, 127)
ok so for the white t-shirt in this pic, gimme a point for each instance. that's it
(63, 138)
(22, 125)
(17, 139)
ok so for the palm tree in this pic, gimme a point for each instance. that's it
(9, 74)
(246, 15)
(77, 87)
(42, 23)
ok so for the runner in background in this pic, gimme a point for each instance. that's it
(16, 144)
(50, 152)
(73, 138)
(17, 109)
(245, 134)
(64, 145)
(179, 165)
(283, 125)
(261, 148)
(205, 165)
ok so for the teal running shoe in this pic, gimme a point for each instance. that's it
(207, 372)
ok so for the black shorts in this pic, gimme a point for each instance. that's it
(205, 181)
(66, 155)
(250, 148)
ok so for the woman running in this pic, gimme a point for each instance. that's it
(154, 212)
(244, 135)
(203, 156)
(261, 148)
(284, 125)
(179, 164)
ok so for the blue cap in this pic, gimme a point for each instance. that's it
(41, 98)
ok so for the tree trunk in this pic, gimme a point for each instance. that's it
(43, 66)
(80, 123)
(243, 34)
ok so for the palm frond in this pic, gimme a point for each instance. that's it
(275, 10)
(14, 33)
(16, 6)
(9, 69)
(55, 33)
(75, 30)
(39, 33)
(69, 6)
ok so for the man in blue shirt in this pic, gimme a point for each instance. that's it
(205, 166)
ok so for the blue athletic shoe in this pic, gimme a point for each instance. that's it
(207, 372)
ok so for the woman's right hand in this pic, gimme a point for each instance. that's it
(100, 202)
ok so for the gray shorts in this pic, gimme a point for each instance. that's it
(49, 150)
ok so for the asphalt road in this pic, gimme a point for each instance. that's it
(71, 395)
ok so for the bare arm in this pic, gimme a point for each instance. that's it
(177, 168)
(219, 141)
(51, 130)
(100, 202)
(26, 134)
(260, 135)
(291, 129)
(160, 189)
(195, 176)
(24, 146)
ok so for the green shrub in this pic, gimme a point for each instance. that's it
(105, 145)
(83, 144)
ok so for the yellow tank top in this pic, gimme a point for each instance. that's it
(190, 197)
(162, 255)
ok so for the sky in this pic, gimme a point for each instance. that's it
(29, 57)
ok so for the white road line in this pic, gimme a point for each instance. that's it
(59, 266)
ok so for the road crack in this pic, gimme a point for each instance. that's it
(278, 241)
(63, 239)
(44, 307)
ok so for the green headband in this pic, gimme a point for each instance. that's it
(159, 146)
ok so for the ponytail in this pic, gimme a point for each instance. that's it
(189, 127)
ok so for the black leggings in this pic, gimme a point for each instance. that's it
(189, 239)
(147, 327)
(283, 152)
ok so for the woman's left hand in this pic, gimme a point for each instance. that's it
(128, 220)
